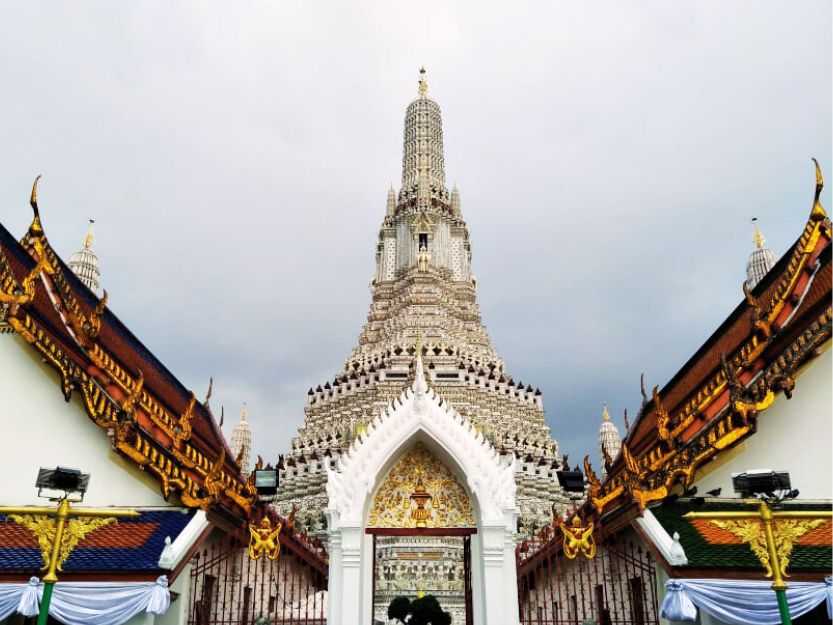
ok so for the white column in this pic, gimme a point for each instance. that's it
(500, 587)
(351, 576)
(334, 582)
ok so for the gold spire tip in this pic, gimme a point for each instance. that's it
(757, 236)
(423, 84)
(605, 413)
(245, 414)
(89, 239)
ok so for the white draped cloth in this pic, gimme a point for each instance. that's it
(20, 598)
(741, 602)
(88, 603)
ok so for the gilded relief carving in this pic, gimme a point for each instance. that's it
(420, 491)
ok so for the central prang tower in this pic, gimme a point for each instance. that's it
(424, 294)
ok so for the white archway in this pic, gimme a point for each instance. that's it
(419, 414)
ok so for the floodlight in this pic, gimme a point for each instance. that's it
(761, 483)
(62, 479)
(571, 481)
(266, 482)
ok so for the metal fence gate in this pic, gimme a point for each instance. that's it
(616, 587)
(230, 588)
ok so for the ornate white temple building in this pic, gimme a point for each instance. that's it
(423, 303)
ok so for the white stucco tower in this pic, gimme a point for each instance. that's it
(424, 307)
(424, 292)
(241, 441)
(610, 442)
(84, 262)
(760, 261)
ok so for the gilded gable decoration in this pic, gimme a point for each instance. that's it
(420, 491)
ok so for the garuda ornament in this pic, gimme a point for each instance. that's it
(578, 538)
(264, 539)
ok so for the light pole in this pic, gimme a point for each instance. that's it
(70, 481)
(769, 488)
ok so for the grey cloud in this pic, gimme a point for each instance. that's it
(236, 159)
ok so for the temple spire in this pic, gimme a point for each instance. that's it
(609, 440)
(455, 202)
(241, 441)
(761, 260)
(84, 263)
(391, 202)
(423, 143)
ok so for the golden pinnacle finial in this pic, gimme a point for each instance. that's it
(89, 238)
(819, 178)
(818, 211)
(757, 236)
(35, 230)
(605, 413)
(423, 84)
(245, 414)
(33, 199)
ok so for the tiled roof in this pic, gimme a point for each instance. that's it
(99, 358)
(708, 546)
(122, 345)
(132, 544)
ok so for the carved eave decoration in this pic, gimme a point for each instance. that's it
(423, 222)
(724, 408)
(140, 427)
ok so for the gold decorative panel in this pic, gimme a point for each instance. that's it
(420, 491)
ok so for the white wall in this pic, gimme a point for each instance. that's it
(794, 435)
(40, 429)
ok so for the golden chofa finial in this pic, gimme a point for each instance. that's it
(35, 229)
(757, 236)
(33, 199)
(818, 210)
(423, 84)
(89, 239)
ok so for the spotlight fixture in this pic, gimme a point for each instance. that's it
(764, 484)
(266, 482)
(70, 481)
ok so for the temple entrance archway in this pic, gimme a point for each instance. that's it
(422, 522)
(419, 419)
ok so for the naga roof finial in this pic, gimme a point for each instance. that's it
(35, 229)
(423, 84)
(818, 209)
(33, 199)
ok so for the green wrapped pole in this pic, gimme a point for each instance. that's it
(783, 608)
(43, 615)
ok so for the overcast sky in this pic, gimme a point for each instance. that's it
(236, 157)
